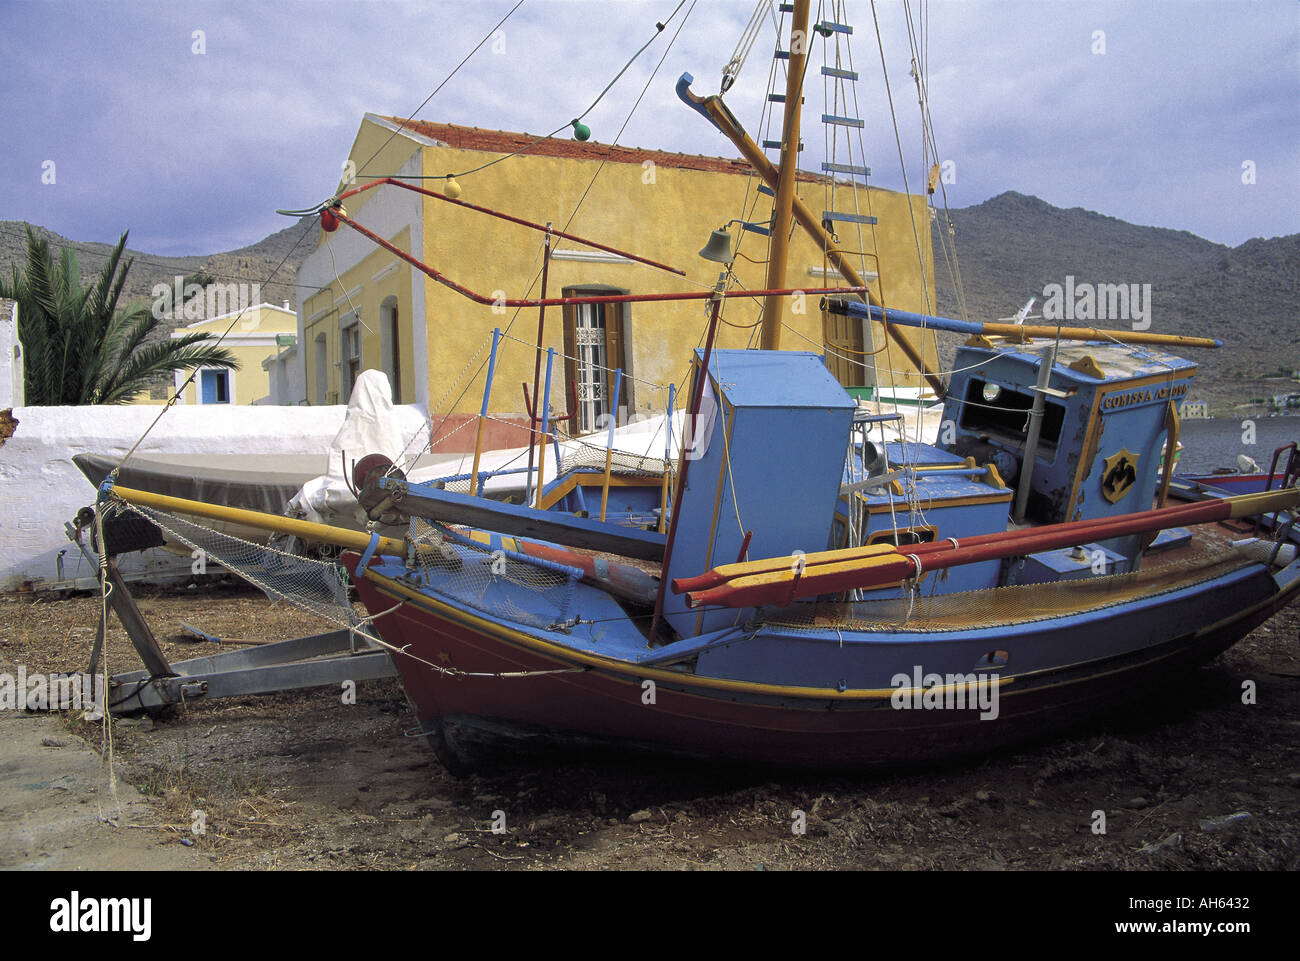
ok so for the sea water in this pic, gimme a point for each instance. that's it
(1216, 442)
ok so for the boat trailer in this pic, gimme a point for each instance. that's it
(316, 660)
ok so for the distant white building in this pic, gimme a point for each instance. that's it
(11, 357)
(252, 335)
(286, 375)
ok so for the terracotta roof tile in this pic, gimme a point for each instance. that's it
(506, 142)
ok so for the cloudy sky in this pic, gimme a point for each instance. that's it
(1154, 112)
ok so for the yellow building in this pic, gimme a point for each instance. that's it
(362, 307)
(251, 340)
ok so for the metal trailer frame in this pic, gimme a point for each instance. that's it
(315, 660)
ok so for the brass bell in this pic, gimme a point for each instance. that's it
(718, 249)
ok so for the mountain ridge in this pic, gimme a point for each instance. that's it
(1009, 248)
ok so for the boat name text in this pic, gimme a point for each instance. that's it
(1145, 396)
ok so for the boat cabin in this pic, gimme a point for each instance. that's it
(1110, 416)
(782, 452)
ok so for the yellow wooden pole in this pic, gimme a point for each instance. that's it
(782, 202)
(1171, 451)
(307, 530)
(810, 222)
(478, 452)
(1051, 331)
(604, 489)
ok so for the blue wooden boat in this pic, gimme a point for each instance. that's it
(501, 646)
(823, 598)
(819, 597)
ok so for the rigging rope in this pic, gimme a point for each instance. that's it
(659, 28)
(486, 37)
(193, 373)
(747, 37)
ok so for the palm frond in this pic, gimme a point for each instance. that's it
(134, 375)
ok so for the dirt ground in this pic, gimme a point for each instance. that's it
(1201, 781)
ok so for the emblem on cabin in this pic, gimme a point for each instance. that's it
(1119, 474)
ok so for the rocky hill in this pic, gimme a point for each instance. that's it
(1011, 246)
(252, 264)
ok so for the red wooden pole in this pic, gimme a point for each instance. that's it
(499, 215)
(562, 301)
(688, 441)
(1081, 531)
(894, 566)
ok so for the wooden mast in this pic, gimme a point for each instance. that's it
(782, 205)
(717, 113)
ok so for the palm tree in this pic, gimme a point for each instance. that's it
(79, 348)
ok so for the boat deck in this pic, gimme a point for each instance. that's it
(584, 618)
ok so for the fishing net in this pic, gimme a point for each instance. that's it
(531, 591)
(492, 577)
(591, 457)
(316, 586)
(1006, 606)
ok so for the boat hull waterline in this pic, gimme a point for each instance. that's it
(1063, 670)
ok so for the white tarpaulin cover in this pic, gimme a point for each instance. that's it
(372, 425)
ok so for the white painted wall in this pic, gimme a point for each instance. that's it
(41, 489)
(287, 373)
(11, 357)
(387, 213)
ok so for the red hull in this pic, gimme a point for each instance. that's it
(608, 704)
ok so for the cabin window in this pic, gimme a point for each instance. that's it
(995, 409)
(595, 339)
(904, 536)
(214, 387)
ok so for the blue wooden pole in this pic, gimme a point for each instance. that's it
(546, 424)
(668, 457)
(609, 446)
(483, 411)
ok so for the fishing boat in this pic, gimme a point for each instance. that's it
(1248, 478)
(811, 591)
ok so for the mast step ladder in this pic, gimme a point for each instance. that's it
(831, 216)
(827, 27)
(853, 170)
